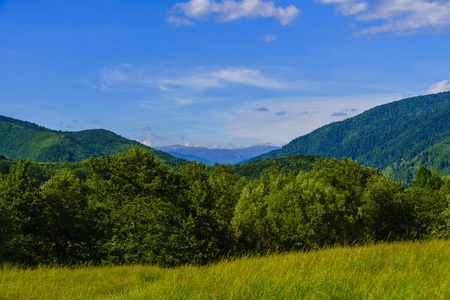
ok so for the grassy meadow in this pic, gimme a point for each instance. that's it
(405, 270)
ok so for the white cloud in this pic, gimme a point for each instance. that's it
(231, 75)
(120, 77)
(142, 128)
(396, 16)
(194, 81)
(270, 37)
(179, 21)
(441, 86)
(348, 7)
(248, 76)
(117, 74)
(147, 140)
(230, 10)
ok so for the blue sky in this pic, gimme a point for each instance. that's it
(216, 73)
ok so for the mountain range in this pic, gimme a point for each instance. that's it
(212, 156)
(396, 137)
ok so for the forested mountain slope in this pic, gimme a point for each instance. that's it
(396, 137)
(37, 143)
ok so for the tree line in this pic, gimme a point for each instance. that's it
(130, 208)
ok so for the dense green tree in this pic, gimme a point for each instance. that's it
(139, 198)
(4, 168)
(66, 229)
(349, 179)
(425, 179)
(19, 212)
(249, 221)
(226, 190)
(153, 214)
(385, 211)
(442, 227)
(198, 240)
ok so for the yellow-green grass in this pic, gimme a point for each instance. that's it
(406, 270)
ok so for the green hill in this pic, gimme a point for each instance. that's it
(396, 137)
(20, 139)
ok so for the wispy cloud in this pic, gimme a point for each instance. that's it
(120, 77)
(184, 13)
(126, 74)
(396, 16)
(142, 128)
(441, 86)
(179, 21)
(221, 78)
(348, 7)
(261, 109)
(270, 37)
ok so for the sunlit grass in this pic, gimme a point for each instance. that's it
(409, 270)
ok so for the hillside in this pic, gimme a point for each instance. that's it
(396, 137)
(20, 139)
(212, 156)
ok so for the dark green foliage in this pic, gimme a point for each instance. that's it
(152, 214)
(332, 204)
(385, 212)
(19, 139)
(425, 179)
(199, 227)
(226, 190)
(293, 163)
(4, 166)
(66, 226)
(429, 198)
(130, 208)
(19, 215)
(395, 137)
(138, 196)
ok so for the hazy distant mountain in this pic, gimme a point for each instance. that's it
(37, 143)
(396, 137)
(211, 156)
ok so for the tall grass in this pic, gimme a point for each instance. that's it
(407, 270)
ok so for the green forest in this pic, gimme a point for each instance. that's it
(130, 208)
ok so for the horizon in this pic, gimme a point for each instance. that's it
(216, 73)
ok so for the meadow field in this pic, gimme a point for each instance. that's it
(404, 270)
